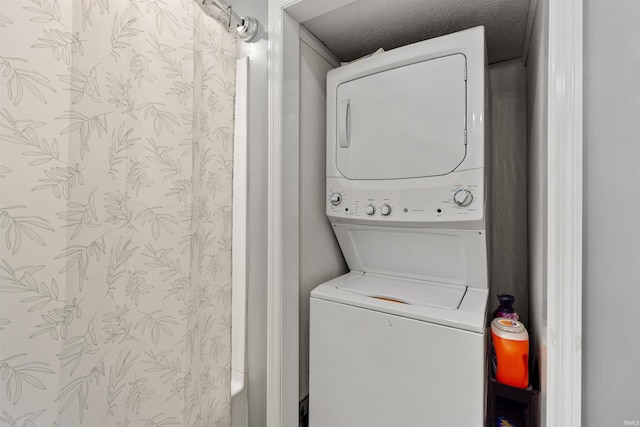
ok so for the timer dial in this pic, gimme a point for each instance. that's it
(385, 210)
(335, 199)
(463, 198)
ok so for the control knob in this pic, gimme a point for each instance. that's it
(370, 209)
(463, 198)
(335, 199)
(385, 210)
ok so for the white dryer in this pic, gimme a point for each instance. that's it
(400, 340)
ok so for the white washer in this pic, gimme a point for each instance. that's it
(377, 363)
(400, 340)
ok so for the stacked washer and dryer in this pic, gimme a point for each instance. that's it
(399, 341)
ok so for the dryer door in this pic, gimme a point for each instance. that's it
(406, 122)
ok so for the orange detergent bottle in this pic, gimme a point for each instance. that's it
(511, 346)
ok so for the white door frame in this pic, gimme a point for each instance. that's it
(564, 215)
(564, 210)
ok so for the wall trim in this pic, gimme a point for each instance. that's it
(239, 253)
(564, 215)
(274, 218)
(282, 235)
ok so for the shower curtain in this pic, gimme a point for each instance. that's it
(116, 124)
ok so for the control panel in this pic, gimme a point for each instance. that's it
(445, 202)
(456, 204)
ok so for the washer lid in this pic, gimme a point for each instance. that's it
(443, 304)
(406, 291)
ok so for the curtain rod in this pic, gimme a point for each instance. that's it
(246, 26)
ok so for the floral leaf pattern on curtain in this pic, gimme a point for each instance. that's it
(115, 214)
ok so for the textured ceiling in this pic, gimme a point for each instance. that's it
(364, 26)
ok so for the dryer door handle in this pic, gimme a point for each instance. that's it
(344, 123)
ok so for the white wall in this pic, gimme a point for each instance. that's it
(320, 255)
(537, 102)
(257, 207)
(611, 285)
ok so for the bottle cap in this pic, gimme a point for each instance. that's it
(506, 300)
(509, 329)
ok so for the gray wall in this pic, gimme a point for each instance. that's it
(508, 211)
(611, 283)
(320, 255)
